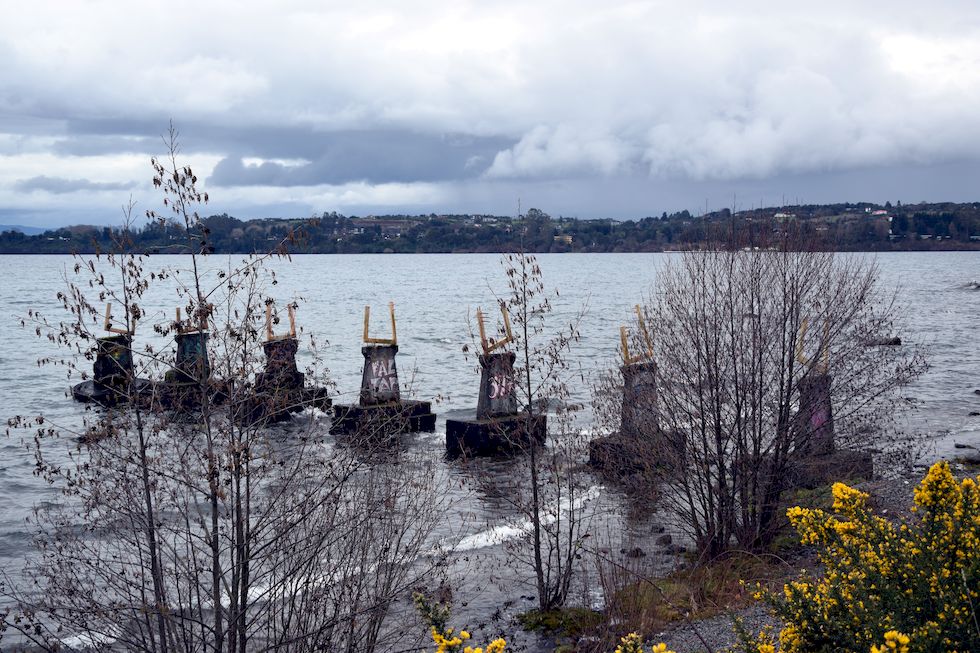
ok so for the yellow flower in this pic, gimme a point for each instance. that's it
(847, 499)
(632, 643)
(496, 646)
(894, 642)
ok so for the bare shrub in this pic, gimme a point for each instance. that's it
(737, 335)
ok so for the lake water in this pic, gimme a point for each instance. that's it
(434, 296)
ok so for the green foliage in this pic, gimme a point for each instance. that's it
(569, 622)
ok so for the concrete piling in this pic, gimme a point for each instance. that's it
(816, 458)
(280, 389)
(114, 381)
(381, 414)
(498, 427)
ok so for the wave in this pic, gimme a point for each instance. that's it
(505, 532)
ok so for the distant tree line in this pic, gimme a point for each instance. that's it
(845, 227)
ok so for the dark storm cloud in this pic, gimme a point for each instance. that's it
(372, 156)
(331, 157)
(96, 144)
(59, 185)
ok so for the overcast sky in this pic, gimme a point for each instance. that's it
(579, 108)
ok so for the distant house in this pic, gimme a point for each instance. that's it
(564, 238)
(386, 226)
(879, 212)
(784, 216)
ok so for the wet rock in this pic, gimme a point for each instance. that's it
(658, 528)
(960, 445)
(969, 459)
(663, 540)
(674, 549)
(974, 413)
(893, 341)
(977, 391)
(635, 552)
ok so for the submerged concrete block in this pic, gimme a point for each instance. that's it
(383, 421)
(619, 455)
(112, 395)
(501, 434)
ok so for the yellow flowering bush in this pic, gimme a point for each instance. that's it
(908, 586)
(445, 638)
(633, 643)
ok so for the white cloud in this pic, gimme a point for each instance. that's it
(705, 90)
(552, 151)
(256, 161)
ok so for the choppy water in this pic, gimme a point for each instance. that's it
(434, 296)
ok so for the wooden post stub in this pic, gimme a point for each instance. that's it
(489, 348)
(648, 341)
(130, 324)
(270, 334)
(393, 340)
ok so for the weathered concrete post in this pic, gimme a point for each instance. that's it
(113, 360)
(818, 460)
(112, 372)
(497, 385)
(815, 420)
(113, 379)
(379, 380)
(280, 389)
(280, 365)
(192, 364)
(381, 413)
(640, 413)
(189, 380)
(640, 445)
(499, 425)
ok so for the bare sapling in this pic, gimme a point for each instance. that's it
(182, 526)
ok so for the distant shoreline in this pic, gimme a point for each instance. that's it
(863, 227)
(294, 254)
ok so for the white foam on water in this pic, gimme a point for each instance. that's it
(506, 532)
(88, 641)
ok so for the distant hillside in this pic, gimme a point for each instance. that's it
(30, 231)
(845, 227)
